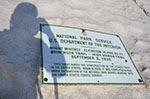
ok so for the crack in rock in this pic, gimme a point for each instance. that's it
(142, 8)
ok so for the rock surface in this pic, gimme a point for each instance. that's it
(20, 44)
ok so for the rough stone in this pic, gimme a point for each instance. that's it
(20, 44)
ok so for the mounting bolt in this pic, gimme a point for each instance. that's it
(45, 79)
(139, 80)
(83, 30)
(117, 35)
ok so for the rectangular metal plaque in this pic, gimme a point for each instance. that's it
(79, 56)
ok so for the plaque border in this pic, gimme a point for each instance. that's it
(99, 83)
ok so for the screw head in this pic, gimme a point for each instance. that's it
(139, 80)
(45, 79)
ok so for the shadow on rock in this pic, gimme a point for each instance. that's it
(20, 55)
